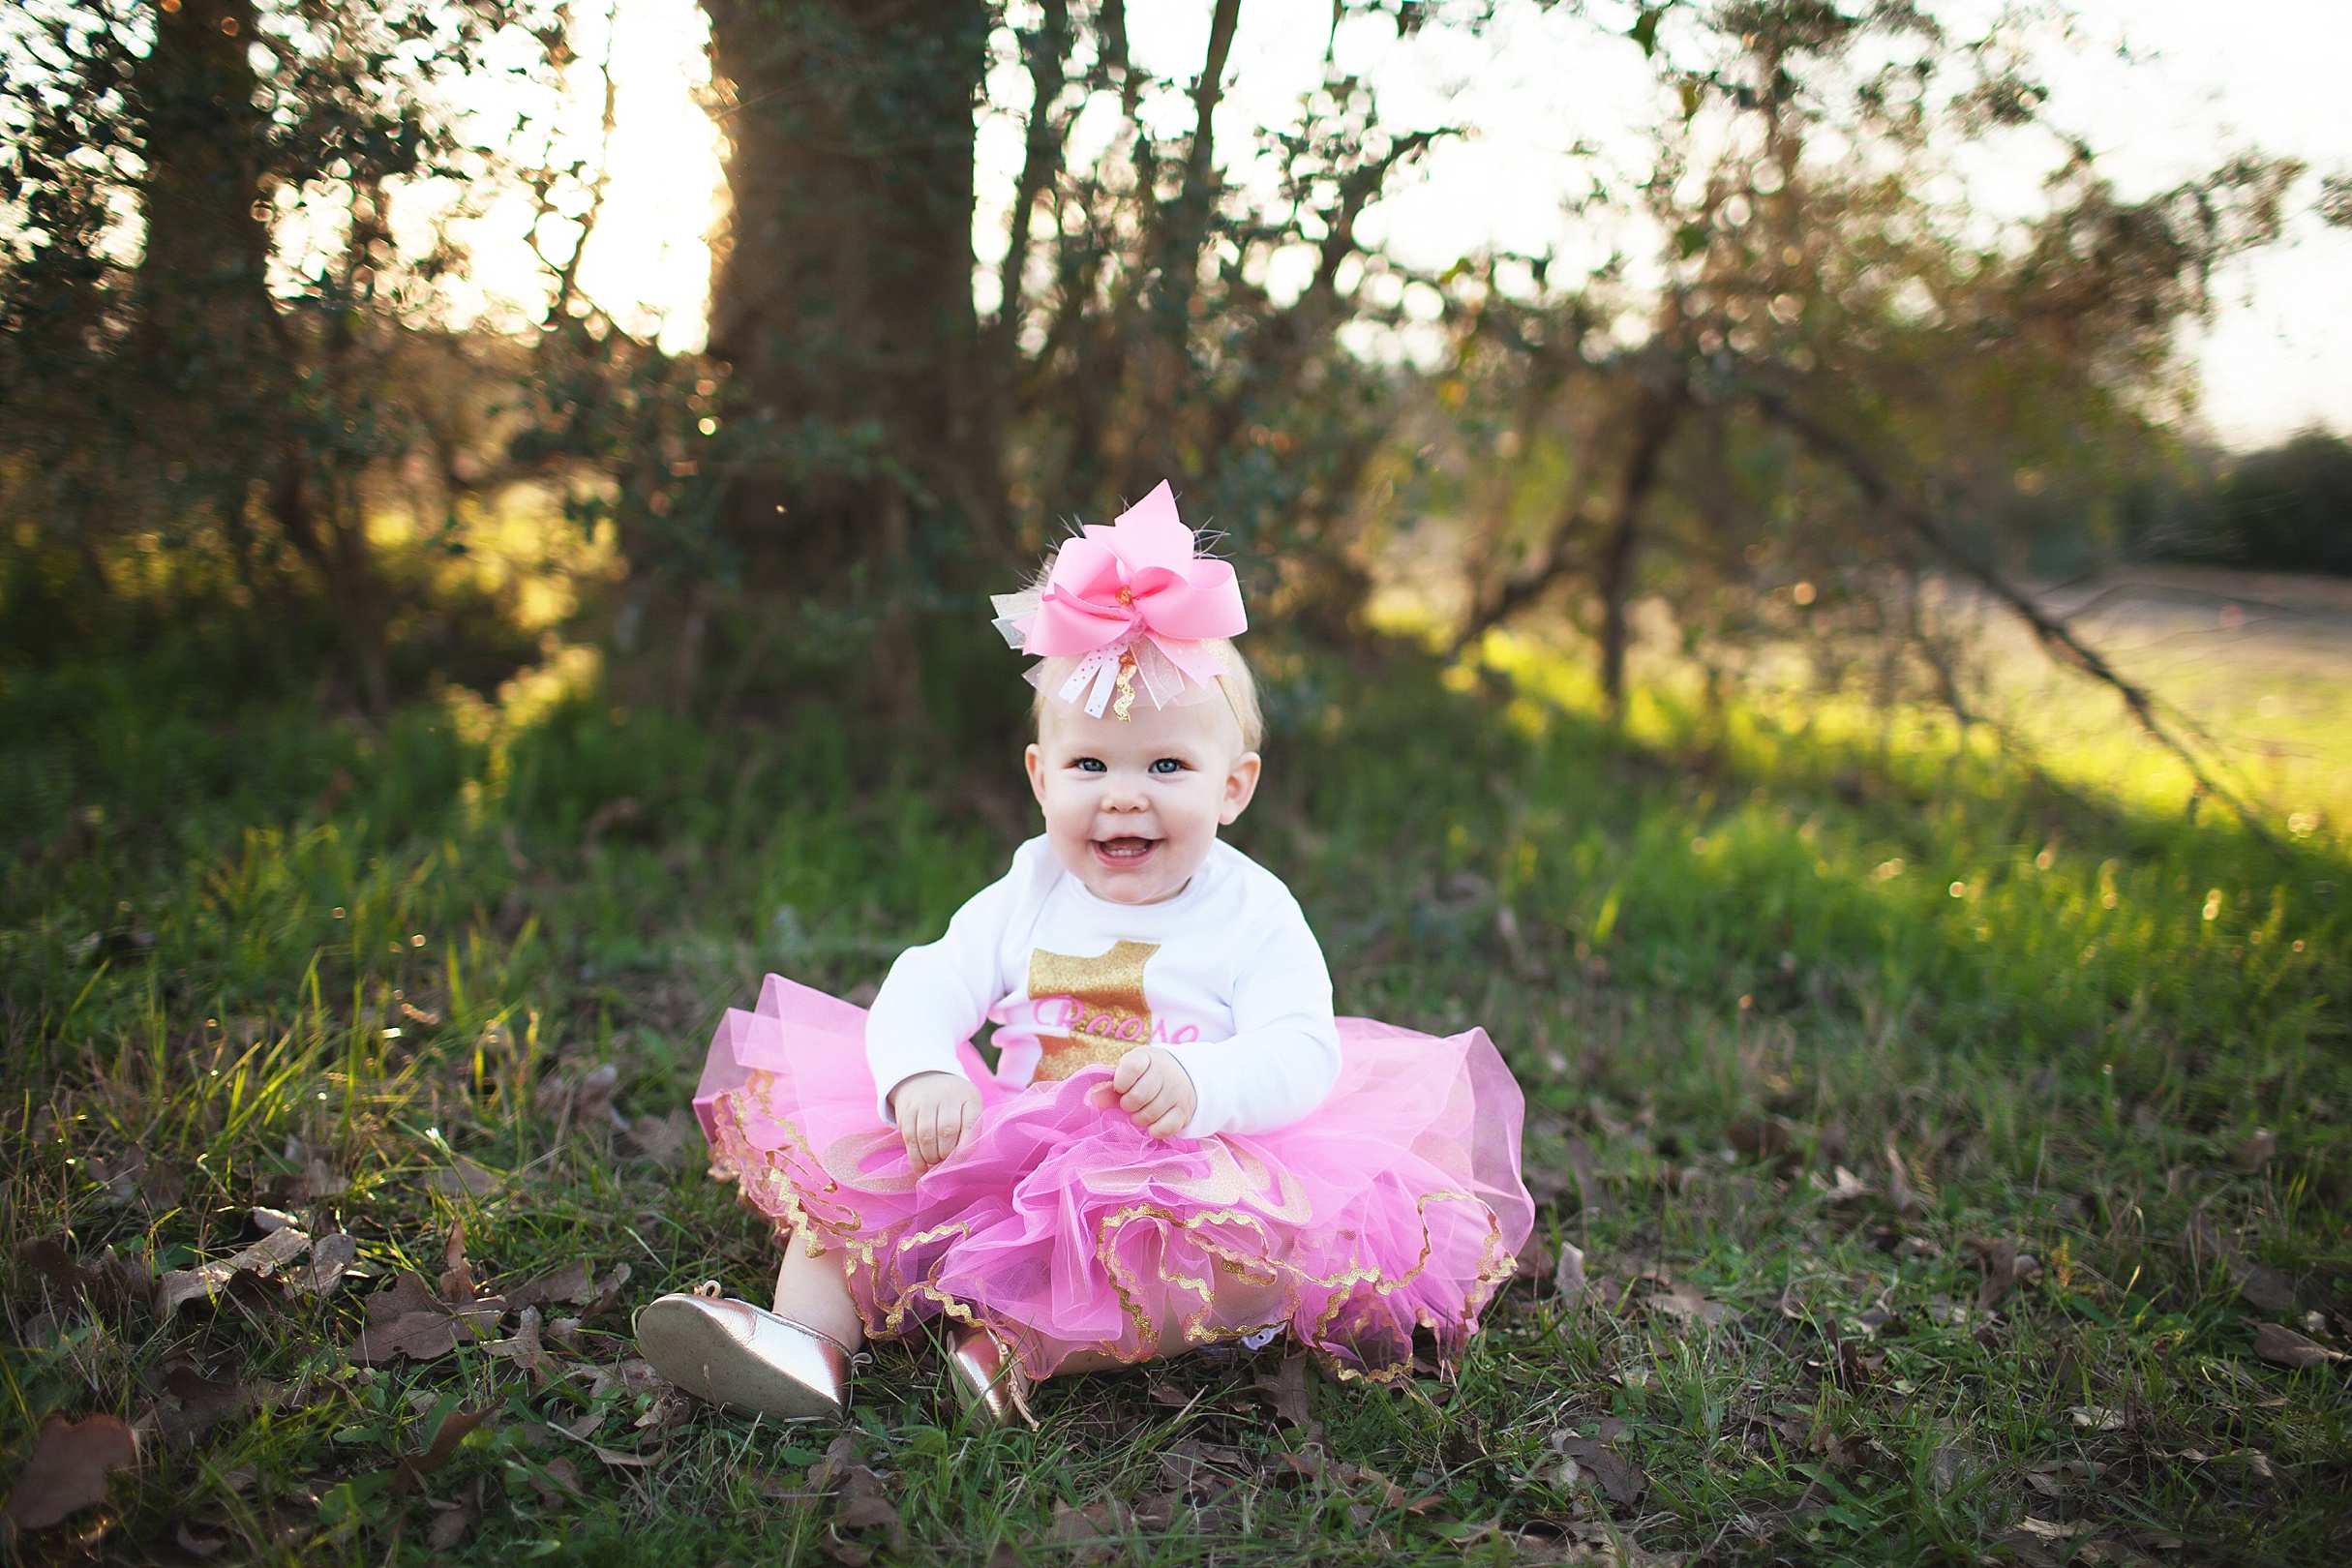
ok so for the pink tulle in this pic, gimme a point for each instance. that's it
(1396, 1206)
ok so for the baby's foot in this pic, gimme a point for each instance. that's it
(988, 1377)
(730, 1352)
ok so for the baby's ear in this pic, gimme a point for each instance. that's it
(1034, 761)
(1241, 783)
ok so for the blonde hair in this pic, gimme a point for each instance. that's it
(1238, 684)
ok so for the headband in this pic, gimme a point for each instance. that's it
(1133, 601)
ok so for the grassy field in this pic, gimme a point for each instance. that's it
(1938, 1139)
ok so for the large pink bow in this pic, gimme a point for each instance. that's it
(1136, 586)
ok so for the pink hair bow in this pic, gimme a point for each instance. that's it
(1132, 600)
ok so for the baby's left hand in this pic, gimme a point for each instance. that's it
(1154, 1088)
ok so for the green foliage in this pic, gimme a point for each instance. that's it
(2285, 508)
(1730, 961)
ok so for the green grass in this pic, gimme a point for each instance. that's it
(1727, 956)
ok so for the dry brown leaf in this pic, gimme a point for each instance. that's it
(1760, 1137)
(1535, 1260)
(263, 1260)
(202, 1402)
(2050, 1529)
(608, 1295)
(266, 1221)
(195, 1545)
(525, 1351)
(1692, 1304)
(627, 1460)
(463, 1178)
(317, 1182)
(574, 1283)
(69, 1470)
(1568, 1279)
(668, 1409)
(1846, 1187)
(108, 1282)
(410, 1319)
(2252, 1153)
(663, 1139)
(2282, 1346)
(331, 1258)
(408, 1293)
(451, 1526)
(2097, 1418)
(1286, 1390)
(457, 1274)
(563, 1473)
(414, 1471)
(161, 1187)
(2203, 1243)
(2005, 1267)
(1618, 1477)
(1905, 1191)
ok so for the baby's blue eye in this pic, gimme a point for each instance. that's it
(1091, 764)
(1167, 764)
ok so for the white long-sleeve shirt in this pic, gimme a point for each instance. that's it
(1225, 974)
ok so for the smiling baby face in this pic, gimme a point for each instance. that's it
(1133, 807)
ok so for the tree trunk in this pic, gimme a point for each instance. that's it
(842, 295)
(1656, 412)
(206, 321)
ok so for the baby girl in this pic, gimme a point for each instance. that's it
(1179, 1144)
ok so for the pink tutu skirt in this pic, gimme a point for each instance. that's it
(1397, 1206)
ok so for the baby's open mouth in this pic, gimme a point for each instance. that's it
(1128, 851)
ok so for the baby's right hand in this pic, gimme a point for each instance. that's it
(938, 1115)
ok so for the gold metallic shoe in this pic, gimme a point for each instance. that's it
(988, 1377)
(733, 1353)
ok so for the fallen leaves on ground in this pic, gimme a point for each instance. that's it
(2005, 1267)
(1619, 1478)
(2255, 1150)
(410, 1320)
(1906, 1191)
(455, 1520)
(413, 1471)
(2203, 1243)
(1287, 1389)
(69, 1470)
(264, 1260)
(2282, 1346)
(111, 1281)
(197, 1402)
(463, 1178)
(1568, 1276)
(526, 1350)
(457, 1279)
(1692, 1304)
(331, 1258)
(663, 1139)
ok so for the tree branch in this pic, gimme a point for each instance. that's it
(2053, 633)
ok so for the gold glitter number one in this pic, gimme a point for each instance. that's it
(1124, 709)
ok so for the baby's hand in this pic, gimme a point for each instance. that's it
(938, 1115)
(1154, 1088)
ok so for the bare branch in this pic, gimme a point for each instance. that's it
(2055, 634)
